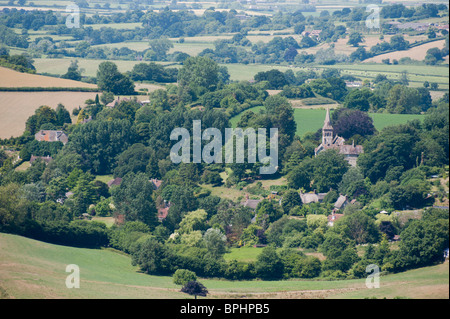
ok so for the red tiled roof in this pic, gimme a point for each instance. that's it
(115, 182)
(162, 213)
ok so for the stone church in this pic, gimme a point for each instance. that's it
(329, 141)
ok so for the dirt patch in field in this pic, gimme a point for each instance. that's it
(301, 294)
(429, 292)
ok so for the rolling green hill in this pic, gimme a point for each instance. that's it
(32, 269)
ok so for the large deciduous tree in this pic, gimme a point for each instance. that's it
(198, 76)
(352, 122)
(109, 79)
(133, 199)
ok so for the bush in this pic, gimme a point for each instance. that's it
(183, 276)
(269, 265)
(84, 234)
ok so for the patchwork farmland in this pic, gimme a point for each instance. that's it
(114, 203)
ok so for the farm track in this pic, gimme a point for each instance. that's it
(298, 294)
(217, 294)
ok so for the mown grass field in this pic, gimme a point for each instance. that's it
(243, 254)
(417, 74)
(310, 120)
(31, 269)
(90, 67)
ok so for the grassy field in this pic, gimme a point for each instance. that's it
(310, 120)
(417, 74)
(60, 66)
(383, 120)
(244, 254)
(31, 269)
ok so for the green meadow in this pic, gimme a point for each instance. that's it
(90, 67)
(310, 120)
(244, 254)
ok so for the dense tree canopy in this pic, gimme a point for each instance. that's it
(109, 79)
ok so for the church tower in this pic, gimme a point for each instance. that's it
(327, 131)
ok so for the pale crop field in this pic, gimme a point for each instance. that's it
(416, 53)
(370, 40)
(17, 107)
(10, 78)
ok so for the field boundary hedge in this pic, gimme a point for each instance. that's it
(47, 89)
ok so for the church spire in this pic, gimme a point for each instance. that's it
(327, 117)
(327, 130)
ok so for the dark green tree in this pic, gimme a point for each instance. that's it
(109, 79)
(195, 288)
(355, 39)
(198, 76)
(133, 199)
(62, 115)
(269, 264)
(329, 167)
(73, 72)
(290, 199)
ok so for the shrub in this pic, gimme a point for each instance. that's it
(183, 276)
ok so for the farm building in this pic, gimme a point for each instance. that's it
(45, 159)
(125, 99)
(163, 211)
(416, 26)
(312, 34)
(116, 101)
(341, 202)
(51, 136)
(354, 84)
(312, 197)
(251, 203)
(115, 182)
(156, 183)
(329, 141)
(333, 218)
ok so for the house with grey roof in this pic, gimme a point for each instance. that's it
(51, 136)
(341, 202)
(251, 203)
(45, 159)
(313, 197)
(114, 182)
